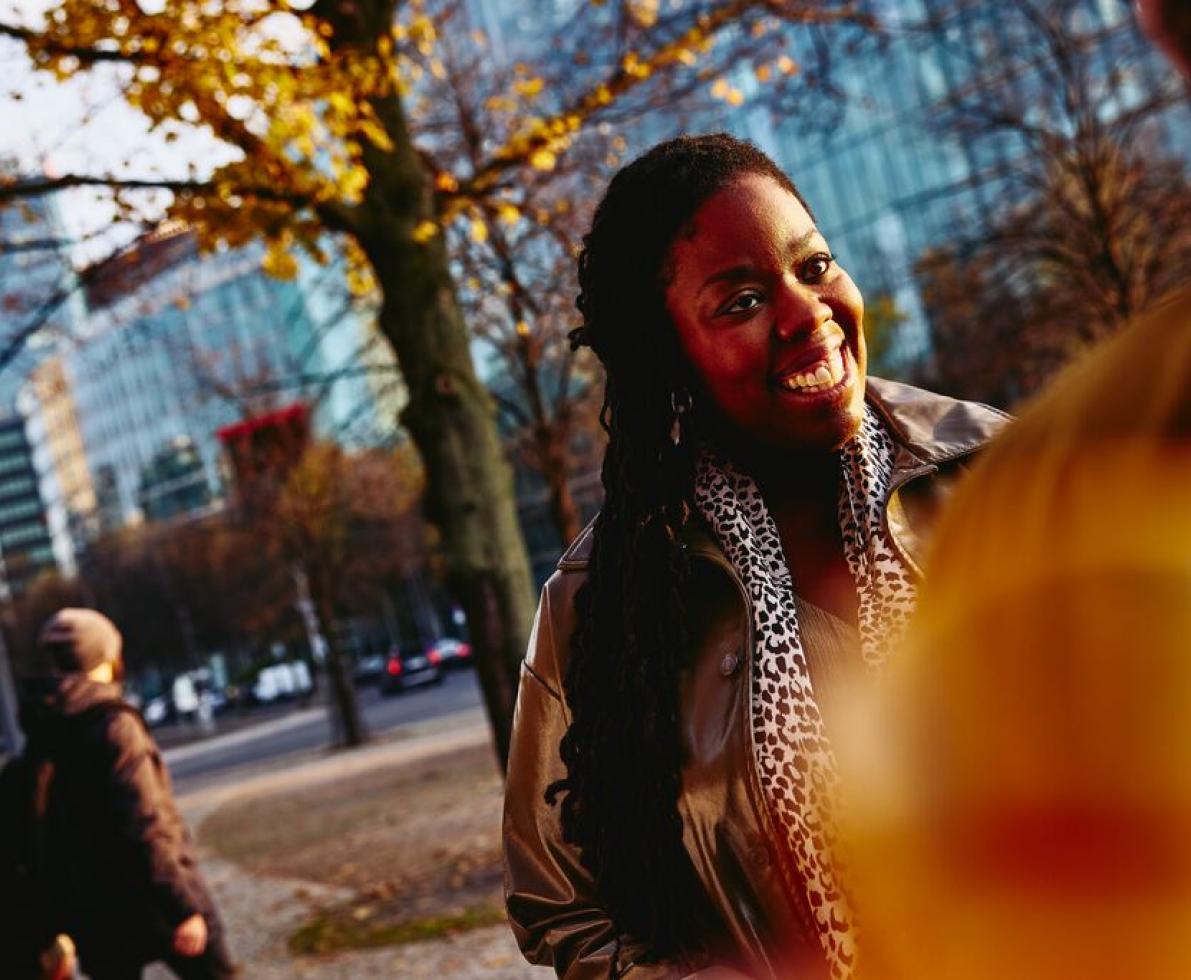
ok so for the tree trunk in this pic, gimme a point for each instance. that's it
(452, 419)
(347, 725)
(564, 512)
(469, 494)
(352, 731)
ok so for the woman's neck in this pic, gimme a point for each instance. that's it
(804, 484)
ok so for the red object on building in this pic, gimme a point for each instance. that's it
(266, 447)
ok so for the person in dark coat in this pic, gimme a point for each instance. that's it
(117, 869)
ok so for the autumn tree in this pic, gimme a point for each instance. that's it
(176, 590)
(1093, 213)
(516, 285)
(344, 523)
(310, 111)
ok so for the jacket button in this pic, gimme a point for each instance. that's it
(760, 856)
(729, 664)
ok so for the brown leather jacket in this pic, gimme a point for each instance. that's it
(552, 901)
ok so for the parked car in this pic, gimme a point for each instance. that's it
(370, 669)
(157, 711)
(286, 680)
(453, 653)
(405, 670)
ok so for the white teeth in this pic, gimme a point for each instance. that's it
(826, 374)
(835, 363)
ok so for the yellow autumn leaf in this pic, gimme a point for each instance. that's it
(341, 103)
(786, 65)
(360, 281)
(542, 159)
(279, 262)
(522, 328)
(376, 134)
(508, 214)
(644, 12)
(446, 183)
(479, 231)
(634, 66)
(763, 72)
(424, 231)
(353, 181)
(734, 97)
(529, 87)
(720, 89)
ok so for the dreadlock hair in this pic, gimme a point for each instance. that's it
(623, 750)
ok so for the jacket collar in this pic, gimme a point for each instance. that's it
(928, 430)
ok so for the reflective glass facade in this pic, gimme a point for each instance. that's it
(176, 345)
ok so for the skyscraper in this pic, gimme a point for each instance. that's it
(176, 344)
(39, 302)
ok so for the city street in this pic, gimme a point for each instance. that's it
(290, 737)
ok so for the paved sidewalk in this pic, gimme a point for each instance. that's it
(262, 912)
(247, 732)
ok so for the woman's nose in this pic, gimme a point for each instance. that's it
(798, 310)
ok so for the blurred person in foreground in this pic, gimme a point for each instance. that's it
(671, 776)
(1028, 811)
(110, 869)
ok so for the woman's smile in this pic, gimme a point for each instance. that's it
(824, 370)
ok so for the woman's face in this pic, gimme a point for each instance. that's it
(771, 325)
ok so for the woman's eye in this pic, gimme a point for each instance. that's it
(744, 303)
(817, 266)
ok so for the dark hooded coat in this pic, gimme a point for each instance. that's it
(114, 866)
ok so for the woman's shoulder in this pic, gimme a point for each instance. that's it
(577, 556)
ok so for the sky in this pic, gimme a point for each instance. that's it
(83, 126)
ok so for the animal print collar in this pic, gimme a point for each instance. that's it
(795, 761)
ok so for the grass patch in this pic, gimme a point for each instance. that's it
(342, 929)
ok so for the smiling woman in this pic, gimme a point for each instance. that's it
(753, 269)
(671, 787)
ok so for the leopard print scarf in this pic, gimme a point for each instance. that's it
(795, 761)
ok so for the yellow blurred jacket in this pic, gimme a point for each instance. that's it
(1030, 813)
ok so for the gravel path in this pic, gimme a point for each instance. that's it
(261, 912)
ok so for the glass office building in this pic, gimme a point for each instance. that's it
(40, 304)
(175, 345)
(26, 544)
